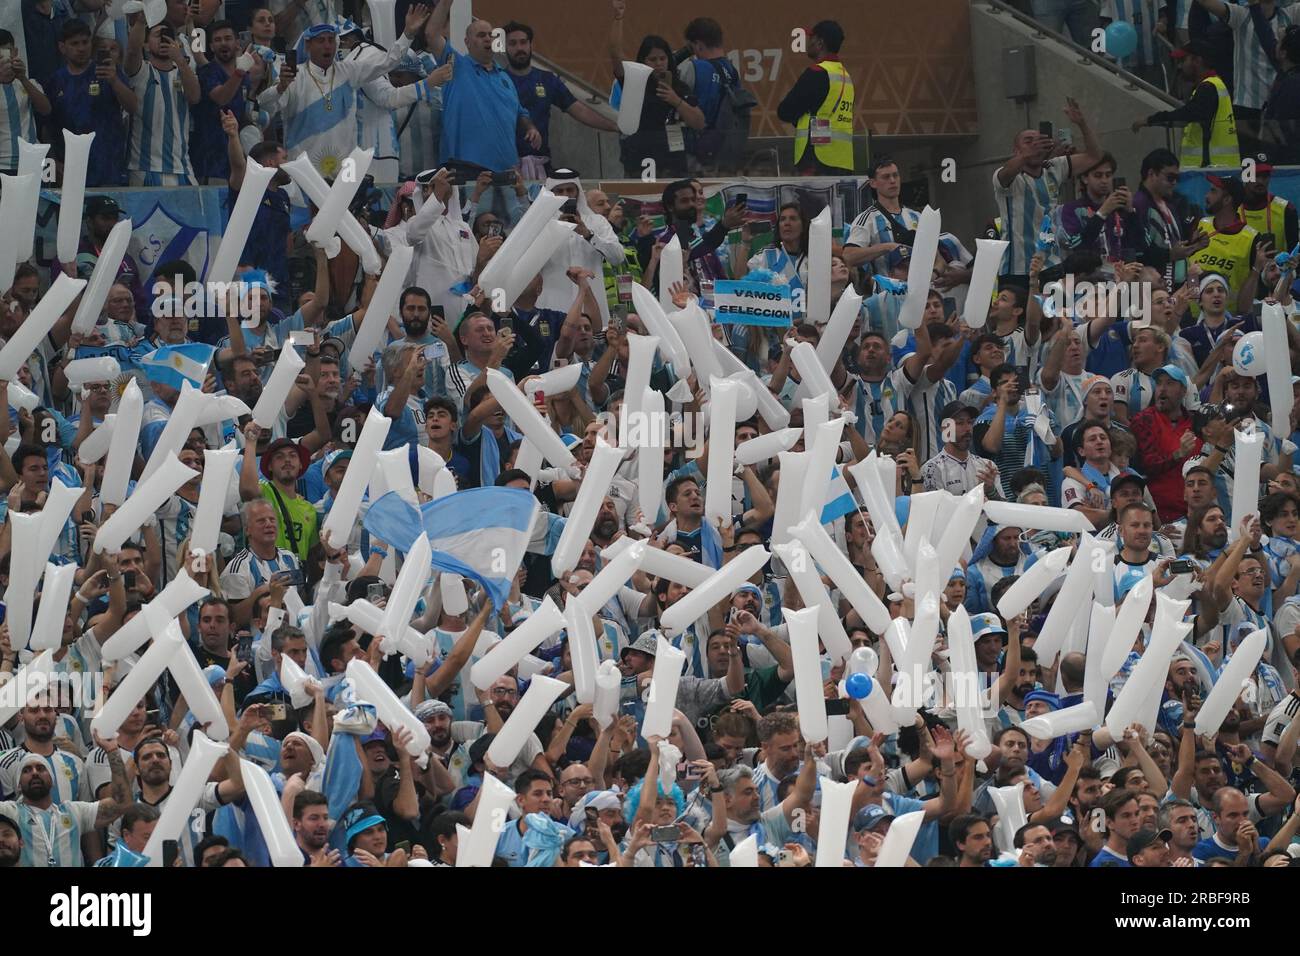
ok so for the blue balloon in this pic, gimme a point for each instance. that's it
(1121, 39)
(858, 686)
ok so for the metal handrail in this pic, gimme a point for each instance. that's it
(1086, 55)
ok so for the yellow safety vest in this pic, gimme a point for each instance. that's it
(1269, 222)
(1228, 254)
(831, 129)
(1224, 151)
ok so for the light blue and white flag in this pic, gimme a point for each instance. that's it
(480, 533)
(839, 499)
(175, 365)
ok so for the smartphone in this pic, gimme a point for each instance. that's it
(128, 580)
(741, 199)
(244, 648)
(404, 846)
(291, 59)
(376, 592)
(171, 849)
(760, 228)
(668, 834)
(508, 322)
(1181, 567)
(87, 516)
(104, 56)
(593, 820)
(153, 717)
(837, 708)
(2, 612)
(1119, 182)
(1045, 128)
(570, 207)
(303, 337)
(494, 229)
(435, 352)
(506, 178)
(277, 711)
(294, 577)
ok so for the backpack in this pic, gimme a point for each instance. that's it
(724, 143)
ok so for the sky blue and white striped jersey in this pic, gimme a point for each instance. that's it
(246, 571)
(1022, 206)
(871, 228)
(1143, 15)
(1133, 388)
(67, 770)
(875, 402)
(16, 120)
(160, 132)
(1252, 74)
(767, 784)
(1066, 400)
(52, 837)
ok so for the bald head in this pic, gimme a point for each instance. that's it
(598, 202)
(478, 41)
(1072, 672)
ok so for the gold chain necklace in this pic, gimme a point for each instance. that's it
(328, 97)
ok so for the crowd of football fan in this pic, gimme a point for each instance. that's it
(1129, 416)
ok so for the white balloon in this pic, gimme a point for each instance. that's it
(1248, 355)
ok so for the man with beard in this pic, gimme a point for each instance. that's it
(311, 828)
(302, 424)
(539, 90)
(282, 464)
(451, 755)
(422, 328)
(52, 831)
(11, 843)
(499, 702)
(972, 837)
(956, 469)
(222, 83)
(68, 771)
(153, 763)
(998, 555)
(102, 215)
(1165, 441)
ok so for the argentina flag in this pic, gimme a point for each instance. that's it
(480, 533)
(839, 499)
(175, 365)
